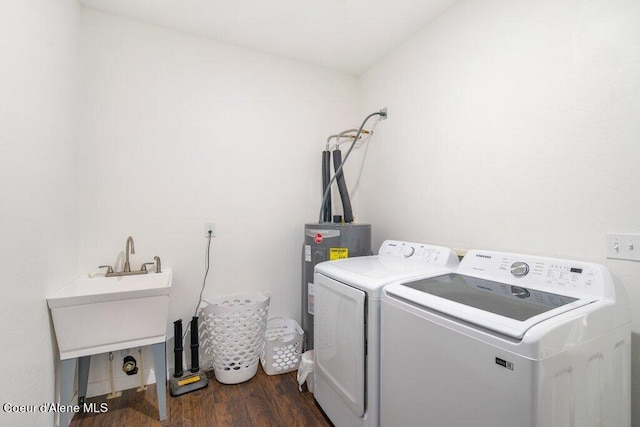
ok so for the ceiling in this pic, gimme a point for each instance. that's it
(343, 35)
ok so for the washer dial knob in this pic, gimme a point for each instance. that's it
(408, 251)
(519, 269)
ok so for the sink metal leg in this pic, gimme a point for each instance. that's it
(67, 375)
(160, 362)
(68, 372)
(83, 379)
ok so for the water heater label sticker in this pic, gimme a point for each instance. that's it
(338, 253)
(307, 253)
(310, 294)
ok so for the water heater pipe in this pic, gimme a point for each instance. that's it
(383, 115)
(326, 177)
(347, 212)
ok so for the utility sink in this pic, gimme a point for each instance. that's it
(99, 314)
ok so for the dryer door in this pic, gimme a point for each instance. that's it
(339, 340)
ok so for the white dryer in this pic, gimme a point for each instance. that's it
(507, 340)
(347, 324)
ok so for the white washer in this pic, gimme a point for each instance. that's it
(507, 340)
(347, 324)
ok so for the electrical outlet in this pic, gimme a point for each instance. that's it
(623, 246)
(209, 227)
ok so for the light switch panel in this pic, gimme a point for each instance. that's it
(623, 246)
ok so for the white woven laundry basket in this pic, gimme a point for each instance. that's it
(232, 333)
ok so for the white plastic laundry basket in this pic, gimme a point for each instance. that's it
(232, 333)
(283, 346)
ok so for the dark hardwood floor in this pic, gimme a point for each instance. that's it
(265, 400)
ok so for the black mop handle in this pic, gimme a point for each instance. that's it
(195, 362)
(177, 349)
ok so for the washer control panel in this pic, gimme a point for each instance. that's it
(415, 251)
(550, 274)
(555, 274)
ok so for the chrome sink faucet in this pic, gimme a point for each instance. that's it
(126, 270)
(127, 266)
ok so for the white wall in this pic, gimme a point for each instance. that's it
(178, 131)
(513, 125)
(39, 203)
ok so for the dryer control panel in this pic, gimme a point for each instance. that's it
(548, 274)
(420, 252)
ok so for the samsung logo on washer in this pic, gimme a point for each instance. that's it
(505, 363)
(483, 256)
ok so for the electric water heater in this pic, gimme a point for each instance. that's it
(327, 242)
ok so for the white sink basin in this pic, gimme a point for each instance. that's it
(99, 314)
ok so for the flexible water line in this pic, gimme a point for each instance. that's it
(113, 393)
(381, 113)
(113, 387)
(337, 138)
(346, 134)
